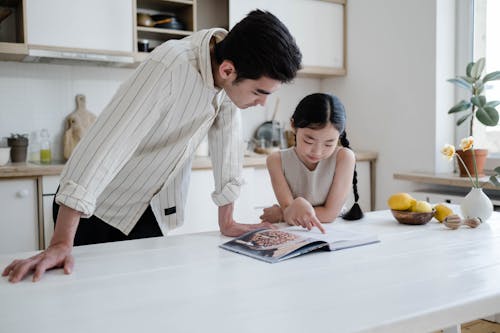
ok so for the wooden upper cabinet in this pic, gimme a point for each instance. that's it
(12, 40)
(81, 24)
(182, 16)
(317, 25)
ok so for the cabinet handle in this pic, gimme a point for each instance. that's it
(22, 193)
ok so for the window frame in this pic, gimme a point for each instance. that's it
(469, 46)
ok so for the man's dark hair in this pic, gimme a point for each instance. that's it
(260, 45)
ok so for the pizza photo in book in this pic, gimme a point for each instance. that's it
(274, 245)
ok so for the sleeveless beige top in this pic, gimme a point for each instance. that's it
(314, 185)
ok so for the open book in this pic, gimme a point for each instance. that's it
(273, 245)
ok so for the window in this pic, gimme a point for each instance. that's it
(486, 37)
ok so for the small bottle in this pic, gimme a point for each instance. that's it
(34, 148)
(45, 151)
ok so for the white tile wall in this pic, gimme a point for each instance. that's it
(36, 96)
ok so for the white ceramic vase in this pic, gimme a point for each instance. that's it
(476, 204)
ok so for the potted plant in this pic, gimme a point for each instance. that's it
(476, 107)
(18, 144)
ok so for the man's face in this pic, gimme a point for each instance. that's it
(247, 92)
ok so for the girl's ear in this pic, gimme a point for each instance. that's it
(292, 125)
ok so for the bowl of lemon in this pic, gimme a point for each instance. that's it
(408, 210)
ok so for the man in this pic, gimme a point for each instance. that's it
(128, 176)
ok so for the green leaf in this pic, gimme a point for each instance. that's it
(478, 101)
(460, 106)
(467, 79)
(494, 181)
(462, 119)
(492, 76)
(497, 170)
(493, 104)
(461, 83)
(469, 67)
(487, 115)
(477, 68)
(479, 88)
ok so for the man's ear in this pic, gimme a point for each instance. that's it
(227, 70)
(292, 125)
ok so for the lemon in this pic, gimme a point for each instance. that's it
(401, 201)
(442, 211)
(422, 207)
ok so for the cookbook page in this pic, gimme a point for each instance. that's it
(336, 236)
(268, 244)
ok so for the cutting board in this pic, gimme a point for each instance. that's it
(77, 124)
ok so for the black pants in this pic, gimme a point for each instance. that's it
(94, 230)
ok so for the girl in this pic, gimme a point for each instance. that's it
(312, 180)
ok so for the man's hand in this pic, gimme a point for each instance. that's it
(229, 227)
(272, 214)
(302, 213)
(56, 255)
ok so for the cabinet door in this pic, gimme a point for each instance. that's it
(317, 25)
(49, 184)
(19, 219)
(201, 213)
(86, 24)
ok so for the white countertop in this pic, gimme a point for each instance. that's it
(417, 279)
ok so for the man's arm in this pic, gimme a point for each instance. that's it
(58, 254)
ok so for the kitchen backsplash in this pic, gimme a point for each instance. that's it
(36, 96)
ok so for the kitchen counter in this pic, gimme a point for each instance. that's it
(14, 170)
(417, 279)
(449, 179)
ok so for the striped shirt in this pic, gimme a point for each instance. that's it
(139, 151)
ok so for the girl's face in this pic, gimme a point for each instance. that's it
(314, 145)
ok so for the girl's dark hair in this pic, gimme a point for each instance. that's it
(317, 111)
(260, 45)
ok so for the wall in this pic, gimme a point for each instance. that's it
(36, 96)
(390, 91)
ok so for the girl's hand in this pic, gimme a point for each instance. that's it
(302, 213)
(272, 214)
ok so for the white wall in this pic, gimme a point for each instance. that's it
(390, 88)
(36, 96)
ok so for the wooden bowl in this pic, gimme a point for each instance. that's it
(413, 218)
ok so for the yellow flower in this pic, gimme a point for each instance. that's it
(466, 143)
(448, 151)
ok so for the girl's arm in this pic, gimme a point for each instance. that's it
(341, 186)
(278, 180)
(295, 211)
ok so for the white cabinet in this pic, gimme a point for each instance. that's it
(257, 193)
(19, 218)
(84, 24)
(201, 214)
(49, 186)
(317, 25)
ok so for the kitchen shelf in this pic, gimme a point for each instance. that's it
(184, 10)
(320, 72)
(160, 33)
(13, 51)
